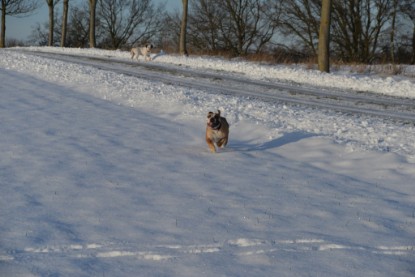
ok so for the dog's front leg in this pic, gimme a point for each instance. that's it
(211, 145)
(222, 143)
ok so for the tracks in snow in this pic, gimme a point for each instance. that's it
(399, 109)
(238, 247)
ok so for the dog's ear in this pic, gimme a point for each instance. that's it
(151, 46)
(219, 112)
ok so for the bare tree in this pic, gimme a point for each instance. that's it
(246, 25)
(300, 21)
(324, 37)
(408, 9)
(39, 34)
(128, 21)
(77, 30)
(237, 26)
(358, 26)
(14, 8)
(356, 29)
(64, 22)
(78, 33)
(92, 13)
(169, 36)
(183, 28)
(393, 30)
(51, 6)
(206, 17)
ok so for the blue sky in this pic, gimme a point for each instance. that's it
(21, 28)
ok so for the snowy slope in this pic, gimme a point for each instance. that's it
(109, 175)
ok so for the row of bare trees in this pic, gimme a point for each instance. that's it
(360, 30)
(14, 8)
(95, 23)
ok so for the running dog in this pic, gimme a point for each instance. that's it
(217, 131)
(144, 51)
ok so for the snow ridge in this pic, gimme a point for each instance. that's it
(238, 247)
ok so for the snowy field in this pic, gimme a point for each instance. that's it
(104, 174)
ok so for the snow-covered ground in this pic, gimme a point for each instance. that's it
(104, 174)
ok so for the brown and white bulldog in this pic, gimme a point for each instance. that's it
(217, 131)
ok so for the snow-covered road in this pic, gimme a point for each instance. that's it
(348, 101)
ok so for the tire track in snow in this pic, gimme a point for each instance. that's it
(378, 105)
(241, 247)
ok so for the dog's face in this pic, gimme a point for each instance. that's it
(146, 50)
(149, 47)
(213, 119)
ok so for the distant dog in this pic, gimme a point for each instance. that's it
(217, 131)
(144, 51)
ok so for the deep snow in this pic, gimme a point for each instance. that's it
(108, 175)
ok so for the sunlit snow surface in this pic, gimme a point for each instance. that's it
(103, 174)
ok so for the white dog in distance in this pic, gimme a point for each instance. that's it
(144, 51)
